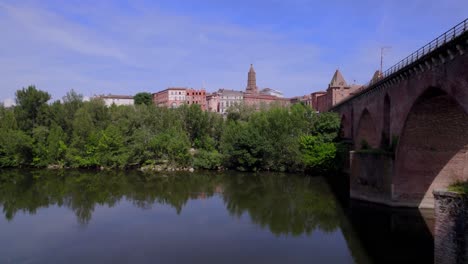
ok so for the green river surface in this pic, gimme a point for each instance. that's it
(202, 217)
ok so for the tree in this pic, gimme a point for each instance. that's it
(318, 155)
(143, 98)
(29, 102)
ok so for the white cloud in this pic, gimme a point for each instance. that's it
(49, 27)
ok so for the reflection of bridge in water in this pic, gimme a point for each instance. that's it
(409, 129)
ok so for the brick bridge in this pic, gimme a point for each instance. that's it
(408, 130)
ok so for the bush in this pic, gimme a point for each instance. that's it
(209, 160)
(459, 187)
(318, 155)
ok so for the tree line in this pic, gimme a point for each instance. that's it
(86, 134)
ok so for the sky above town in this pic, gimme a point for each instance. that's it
(125, 47)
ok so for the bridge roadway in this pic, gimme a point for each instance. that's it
(408, 131)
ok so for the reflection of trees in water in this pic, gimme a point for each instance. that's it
(285, 204)
(81, 191)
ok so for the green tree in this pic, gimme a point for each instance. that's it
(318, 155)
(15, 148)
(56, 146)
(143, 98)
(29, 103)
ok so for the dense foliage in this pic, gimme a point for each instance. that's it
(143, 98)
(78, 134)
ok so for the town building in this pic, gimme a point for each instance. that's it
(196, 97)
(337, 91)
(252, 97)
(174, 97)
(305, 100)
(115, 99)
(212, 102)
(251, 81)
(272, 92)
(228, 98)
(315, 99)
(221, 100)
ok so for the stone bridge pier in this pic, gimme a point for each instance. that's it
(410, 128)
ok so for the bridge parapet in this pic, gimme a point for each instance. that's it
(445, 47)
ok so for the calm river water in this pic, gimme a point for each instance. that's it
(129, 217)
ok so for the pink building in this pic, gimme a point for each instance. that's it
(196, 97)
(316, 99)
(174, 97)
(212, 102)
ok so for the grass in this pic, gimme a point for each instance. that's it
(459, 187)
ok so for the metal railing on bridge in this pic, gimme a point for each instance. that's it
(443, 39)
(448, 36)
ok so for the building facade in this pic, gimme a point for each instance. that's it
(305, 100)
(272, 92)
(171, 97)
(212, 102)
(228, 98)
(336, 92)
(174, 97)
(196, 97)
(221, 100)
(116, 99)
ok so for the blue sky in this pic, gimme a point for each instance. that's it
(125, 47)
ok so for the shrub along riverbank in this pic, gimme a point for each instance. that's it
(77, 134)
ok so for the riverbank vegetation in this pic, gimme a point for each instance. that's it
(78, 134)
(459, 187)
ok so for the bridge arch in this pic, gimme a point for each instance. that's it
(345, 127)
(386, 141)
(366, 131)
(433, 148)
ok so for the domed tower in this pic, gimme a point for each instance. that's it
(251, 81)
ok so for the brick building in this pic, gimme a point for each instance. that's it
(174, 97)
(337, 90)
(196, 97)
(267, 96)
(305, 99)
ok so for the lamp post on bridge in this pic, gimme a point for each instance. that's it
(382, 49)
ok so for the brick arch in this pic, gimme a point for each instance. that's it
(366, 131)
(433, 148)
(345, 127)
(386, 138)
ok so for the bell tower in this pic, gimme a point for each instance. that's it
(251, 81)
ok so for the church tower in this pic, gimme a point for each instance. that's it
(251, 81)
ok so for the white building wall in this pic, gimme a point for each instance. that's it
(118, 101)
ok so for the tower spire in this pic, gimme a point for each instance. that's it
(251, 81)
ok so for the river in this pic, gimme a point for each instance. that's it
(201, 217)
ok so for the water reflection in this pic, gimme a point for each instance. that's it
(284, 204)
(308, 211)
(81, 191)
